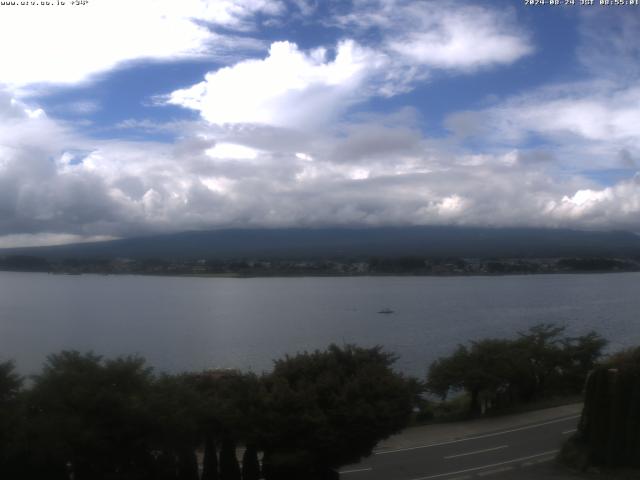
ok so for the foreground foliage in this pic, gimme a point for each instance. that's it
(90, 418)
(98, 419)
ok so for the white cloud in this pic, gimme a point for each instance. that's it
(304, 156)
(287, 88)
(591, 125)
(462, 38)
(617, 207)
(60, 186)
(306, 7)
(69, 44)
(600, 113)
(232, 150)
(44, 239)
(295, 88)
(79, 108)
(443, 35)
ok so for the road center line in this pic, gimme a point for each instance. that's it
(515, 460)
(343, 472)
(477, 451)
(567, 432)
(519, 429)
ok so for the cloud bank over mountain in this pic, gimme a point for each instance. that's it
(341, 124)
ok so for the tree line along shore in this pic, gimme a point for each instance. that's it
(87, 417)
(265, 267)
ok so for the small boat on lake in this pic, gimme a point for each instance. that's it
(385, 311)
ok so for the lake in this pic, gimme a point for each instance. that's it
(185, 323)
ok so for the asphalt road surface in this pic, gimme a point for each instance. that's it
(502, 453)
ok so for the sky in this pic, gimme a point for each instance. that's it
(122, 118)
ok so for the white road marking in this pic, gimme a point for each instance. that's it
(477, 451)
(567, 432)
(515, 460)
(344, 472)
(564, 419)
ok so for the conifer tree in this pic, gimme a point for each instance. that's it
(210, 461)
(229, 468)
(250, 464)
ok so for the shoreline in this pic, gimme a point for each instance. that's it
(324, 275)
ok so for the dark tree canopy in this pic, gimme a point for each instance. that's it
(175, 407)
(609, 430)
(10, 382)
(250, 464)
(230, 402)
(91, 414)
(501, 372)
(11, 427)
(329, 408)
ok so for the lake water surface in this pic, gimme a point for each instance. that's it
(196, 323)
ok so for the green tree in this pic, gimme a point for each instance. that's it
(229, 468)
(499, 372)
(582, 355)
(544, 359)
(230, 404)
(11, 425)
(10, 383)
(485, 370)
(89, 416)
(330, 408)
(250, 464)
(174, 406)
(210, 460)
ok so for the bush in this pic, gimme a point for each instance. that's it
(609, 430)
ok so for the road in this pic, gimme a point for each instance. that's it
(482, 454)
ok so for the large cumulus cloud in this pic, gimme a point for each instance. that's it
(291, 87)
